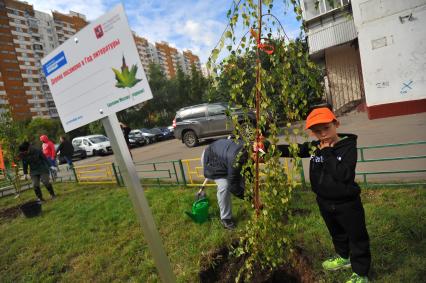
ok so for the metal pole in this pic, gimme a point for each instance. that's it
(137, 195)
(258, 96)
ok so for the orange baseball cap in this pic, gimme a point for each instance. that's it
(320, 116)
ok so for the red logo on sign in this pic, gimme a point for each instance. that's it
(98, 31)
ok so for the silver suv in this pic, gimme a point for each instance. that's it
(208, 120)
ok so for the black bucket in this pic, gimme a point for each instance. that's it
(31, 208)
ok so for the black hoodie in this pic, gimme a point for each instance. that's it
(331, 169)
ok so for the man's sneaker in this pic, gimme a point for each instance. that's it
(336, 263)
(355, 278)
(228, 224)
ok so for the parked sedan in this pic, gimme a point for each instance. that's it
(167, 134)
(79, 153)
(137, 139)
(158, 134)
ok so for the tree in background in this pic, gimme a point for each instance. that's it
(11, 135)
(289, 67)
(39, 126)
(169, 95)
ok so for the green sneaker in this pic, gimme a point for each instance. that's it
(355, 278)
(336, 263)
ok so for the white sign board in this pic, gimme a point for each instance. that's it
(96, 72)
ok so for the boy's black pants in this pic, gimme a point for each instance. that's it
(346, 224)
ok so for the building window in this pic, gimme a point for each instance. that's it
(314, 8)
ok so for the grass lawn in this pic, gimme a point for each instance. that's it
(90, 234)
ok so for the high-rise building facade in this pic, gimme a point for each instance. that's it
(168, 57)
(147, 52)
(26, 36)
(190, 59)
(3, 97)
(20, 74)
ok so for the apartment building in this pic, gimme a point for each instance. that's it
(147, 52)
(20, 75)
(3, 97)
(372, 51)
(190, 59)
(392, 44)
(66, 25)
(168, 57)
(333, 44)
(26, 36)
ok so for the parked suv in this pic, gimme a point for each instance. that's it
(93, 144)
(208, 120)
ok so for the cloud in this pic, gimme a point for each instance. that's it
(91, 9)
(185, 24)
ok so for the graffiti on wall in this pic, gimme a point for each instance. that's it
(406, 87)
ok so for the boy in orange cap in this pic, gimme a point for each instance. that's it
(332, 175)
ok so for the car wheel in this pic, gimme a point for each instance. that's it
(190, 139)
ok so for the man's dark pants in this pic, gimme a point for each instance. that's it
(346, 224)
(44, 178)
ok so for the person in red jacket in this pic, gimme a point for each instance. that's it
(48, 149)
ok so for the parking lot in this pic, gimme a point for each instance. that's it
(399, 129)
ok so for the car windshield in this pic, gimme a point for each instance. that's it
(98, 139)
(144, 130)
(156, 131)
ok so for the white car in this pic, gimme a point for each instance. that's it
(93, 144)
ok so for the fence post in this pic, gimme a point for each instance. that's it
(75, 174)
(302, 174)
(116, 174)
(182, 172)
(176, 175)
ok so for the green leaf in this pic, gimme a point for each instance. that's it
(228, 34)
(126, 78)
(215, 54)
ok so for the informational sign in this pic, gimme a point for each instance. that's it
(96, 72)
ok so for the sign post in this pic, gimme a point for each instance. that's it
(92, 76)
(140, 204)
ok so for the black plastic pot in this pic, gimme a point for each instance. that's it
(31, 208)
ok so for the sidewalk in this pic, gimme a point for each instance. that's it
(392, 130)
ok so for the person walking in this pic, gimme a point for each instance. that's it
(48, 149)
(66, 150)
(39, 169)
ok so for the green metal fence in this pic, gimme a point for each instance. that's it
(161, 173)
(362, 159)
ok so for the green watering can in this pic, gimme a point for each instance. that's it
(200, 208)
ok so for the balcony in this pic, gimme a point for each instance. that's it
(328, 25)
(314, 10)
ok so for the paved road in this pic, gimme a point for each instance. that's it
(399, 129)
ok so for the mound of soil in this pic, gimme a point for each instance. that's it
(10, 213)
(219, 267)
